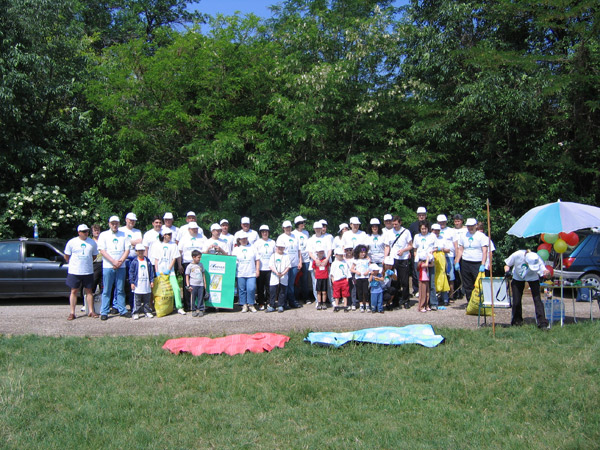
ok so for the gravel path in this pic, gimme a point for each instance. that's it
(48, 317)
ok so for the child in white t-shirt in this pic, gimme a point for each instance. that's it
(141, 276)
(280, 265)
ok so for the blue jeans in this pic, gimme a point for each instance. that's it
(377, 301)
(246, 290)
(112, 277)
(291, 296)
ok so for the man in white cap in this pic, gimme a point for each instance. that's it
(191, 240)
(355, 236)
(471, 256)
(399, 246)
(318, 241)
(215, 245)
(302, 236)
(450, 238)
(292, 249)
(152, 236)
(415, 229)
(264, 248)
(168, 223)
(189, 218)
(79, 254)
(528, 267)
(387, 226)
(327, 235)
(114, 247)
(252, 235)
(134, 237)
(226, 235)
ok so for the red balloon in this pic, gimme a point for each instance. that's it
(547, 247)
(551, 270)
(571, 239)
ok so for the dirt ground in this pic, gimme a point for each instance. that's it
(49, 317)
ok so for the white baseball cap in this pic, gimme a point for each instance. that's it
(323, 222)
(286, 224)
(343, 225)
(264, 228)
(139, 247)
(215, 226)
(168, 215)
(389, 260)
(339, 251)
(374, 221)
(317, 225)
(281, 241)
(533, 261)
(114, 219)
(83, 227)
(387, 217)
(374, 267)
(421, 210)
(190, 213)
(245, 220)
(299, 219)
(442, 218)
(471, 221)
(166, 230)
(436, 226)
(131, 216)
(193, 225)
(354, 221)
(224, 221)
(242, 235)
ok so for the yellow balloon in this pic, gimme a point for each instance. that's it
(560, 246)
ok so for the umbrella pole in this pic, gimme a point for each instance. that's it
(490, 263)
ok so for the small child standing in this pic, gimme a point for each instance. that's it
(339, 274)
(280, 265)
(349, 258)
(423, 269)
(321, 272)
(141, 276)
(376, 284)
(195, 280)
(360, 269)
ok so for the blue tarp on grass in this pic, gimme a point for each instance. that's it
(410, 334)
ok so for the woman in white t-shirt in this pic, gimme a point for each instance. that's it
(248, 269)
(165, 255)
(265, 247)
(376, 243)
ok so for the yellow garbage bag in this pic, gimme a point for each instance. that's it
(473, 306)
(163, 296)
(441, 280)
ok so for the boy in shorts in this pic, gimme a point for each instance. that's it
(339, 274)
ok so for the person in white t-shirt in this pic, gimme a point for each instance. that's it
(423, 245)
(185, 229)
(134, 237)
(152, 236)
(190, 241)
(337, 241)
(376, 243)
(459, 230)
(215, 245)
(292, 249)
(264, 247)
(355, 236)
(280, 265)
(141, 277)
(449, 236)
(250, 233)
(303, 236)
(79, 254)
(114, 247)
(248, 268)
(399, 245)
(166, 258)
(227, 236)
(471, 256)
(168, 223)
(326, 235)
(318, 240)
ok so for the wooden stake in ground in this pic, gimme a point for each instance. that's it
(487, 202)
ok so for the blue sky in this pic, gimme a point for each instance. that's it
(258, 7)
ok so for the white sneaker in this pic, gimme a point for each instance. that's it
(181, 311)
(149, 315)
(245, 308)
(308, 302)
(353, 308)
(136, 316)
(253, 309)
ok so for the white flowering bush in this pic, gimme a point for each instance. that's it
(54, 212)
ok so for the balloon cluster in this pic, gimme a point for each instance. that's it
(559, 242)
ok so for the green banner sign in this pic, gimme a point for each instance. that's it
(221, 279)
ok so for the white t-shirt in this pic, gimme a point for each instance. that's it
(520, 268)
(185, 231)
(143, 280)
(210, 243)
(279, 263)
(472, 245)
(151, 237)
(115, 244)
(361, 266)
(264, 250)
(352, 239)
(196, 273)
(132, 235)
(376, 243)
(291, 248)
(303, 237)
(404, 239)
(252, 236)
(230, 242)
(337, 242)
(316, 242)
(339, 270)
(449, 234)
(163, 254)
(246, 261)
(188, 244)
(424, 242)
(82, 253)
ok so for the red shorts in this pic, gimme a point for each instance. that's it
(341, 289)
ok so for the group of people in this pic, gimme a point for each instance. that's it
(355, 270)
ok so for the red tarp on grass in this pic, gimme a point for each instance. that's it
(232, 345)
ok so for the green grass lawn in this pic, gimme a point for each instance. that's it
(522, 389)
